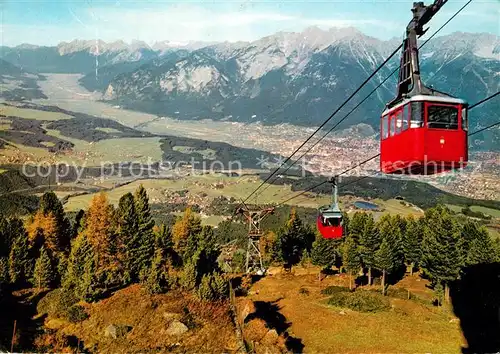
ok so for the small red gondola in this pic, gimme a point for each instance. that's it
(423, 131)
(329, 221)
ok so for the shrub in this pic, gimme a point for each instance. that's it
(57, 302)
(362, 301)
(334, 290)
(205, 290)
(213, 287)
(338, 299)
(399, 293)
(76, 313)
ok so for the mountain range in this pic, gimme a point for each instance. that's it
(298, 78)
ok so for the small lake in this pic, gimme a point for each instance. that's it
(365, 205)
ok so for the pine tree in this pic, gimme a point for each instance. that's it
(5, 237)
(20, 263)
(470, 232)
(323, 253)
(442, 257)
(43, 274)
(4, 272)
(384, 260)
(351, 259)
(188, 278)
(157, 278)
(481, 249)
(81, 254)
(369, 243)
(292, 240)
(389, 227)
(128, 237)
(144, 254)
(412, 239)
(357, 226)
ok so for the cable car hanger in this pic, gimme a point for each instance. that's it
(410, 83)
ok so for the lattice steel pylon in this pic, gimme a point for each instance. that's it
(254, 256)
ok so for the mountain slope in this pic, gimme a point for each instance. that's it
(300, 78)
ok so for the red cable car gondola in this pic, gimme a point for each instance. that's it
(329, 221)
(423, 131)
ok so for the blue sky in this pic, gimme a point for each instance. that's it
(50, 22)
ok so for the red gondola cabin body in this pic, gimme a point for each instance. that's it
(330, 228)
(424, 135)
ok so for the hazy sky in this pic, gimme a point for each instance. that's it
(50, 22)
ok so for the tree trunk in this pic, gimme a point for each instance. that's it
(446, 293)
(369, 275)
(350, 280)
(412, 264)
(383, 282)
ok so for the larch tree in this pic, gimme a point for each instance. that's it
(185, 227)
(412, 240)
(145, 223)
(369, 243)
(351, 259)
(442, 256)
(43, 274)
(50, 204)
(99, 232)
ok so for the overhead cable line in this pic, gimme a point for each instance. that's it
(361, 102)
(328, 119)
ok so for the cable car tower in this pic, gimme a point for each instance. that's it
(254, 257)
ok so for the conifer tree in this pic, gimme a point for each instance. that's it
(145, 223)
(43, 274)
(185, 228)
(481, 249)
(357, 226)
(5, 237)
(470, 231)
(20, 263)
(389, 228)
(292, 240)
(351, 259)
(128, 237)
(384, 259)
(157, 279)
(99, 231)
(50, 204)
(412, 239)
(81, 254)
(369, 243)
(323, 253)
(442, 257)
(4, 272)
